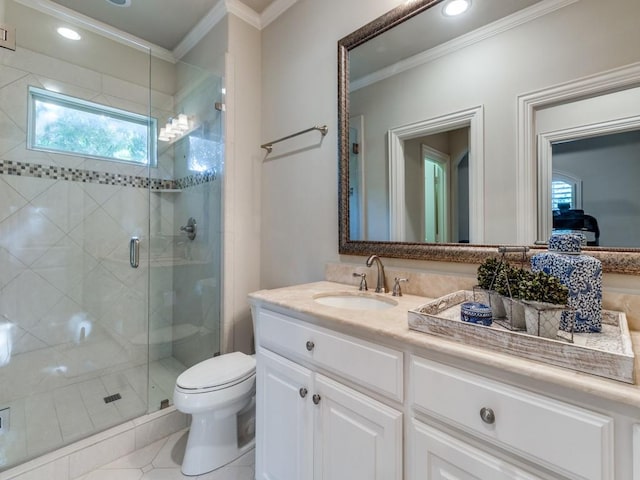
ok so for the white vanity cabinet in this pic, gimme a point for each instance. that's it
(435, 455)
(568, 440)
(284, 430)
(312, 422)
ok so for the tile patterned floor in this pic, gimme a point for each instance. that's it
(45, 421)
(161, 461)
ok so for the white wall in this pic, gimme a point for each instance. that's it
(242, 186)
(299, 200)
(299, 90)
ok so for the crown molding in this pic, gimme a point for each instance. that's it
(274, 10)
(237, 8)
(243, 12)
(211, 19)
(494, 28)
(197, 33)
(92, 25)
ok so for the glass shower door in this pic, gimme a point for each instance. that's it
(73, 311)
(186, 269)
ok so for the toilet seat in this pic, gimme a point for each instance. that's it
(217, 373)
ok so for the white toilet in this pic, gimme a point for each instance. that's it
(219, 393)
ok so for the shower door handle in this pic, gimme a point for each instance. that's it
(134, 252)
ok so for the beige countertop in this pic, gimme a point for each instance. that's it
(390, 326)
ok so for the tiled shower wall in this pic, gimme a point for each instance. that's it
(71, 307)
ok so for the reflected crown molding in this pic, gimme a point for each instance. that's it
(499, 26)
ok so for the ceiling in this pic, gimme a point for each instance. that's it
(161, 22)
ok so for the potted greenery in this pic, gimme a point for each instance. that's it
(488, 273)
(544, 298)
(507, 285)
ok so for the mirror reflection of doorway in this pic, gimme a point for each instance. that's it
(462, 175)
(356, 190)
(436, 195)
(458, 136)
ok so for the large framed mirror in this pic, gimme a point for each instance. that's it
(443, 154)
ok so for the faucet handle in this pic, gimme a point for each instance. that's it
(363, 280)
(397, 291)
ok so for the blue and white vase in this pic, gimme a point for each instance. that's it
(582, 274)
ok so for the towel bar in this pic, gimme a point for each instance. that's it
(323, 129)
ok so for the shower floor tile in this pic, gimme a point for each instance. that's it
(42, 422)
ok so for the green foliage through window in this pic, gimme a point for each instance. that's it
(64, 124)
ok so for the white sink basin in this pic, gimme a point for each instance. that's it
(355, 301)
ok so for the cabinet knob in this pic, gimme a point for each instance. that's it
(303, 392)
(316, 399)
(310, 345)
(487, 415)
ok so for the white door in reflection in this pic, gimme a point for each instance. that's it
(436, 195)
(356, 169)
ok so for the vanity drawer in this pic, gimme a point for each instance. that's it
(567, 439)
(373, 366)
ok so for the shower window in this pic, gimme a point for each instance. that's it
(63, 124)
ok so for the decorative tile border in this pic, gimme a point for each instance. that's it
(196, 179)
(21, 169)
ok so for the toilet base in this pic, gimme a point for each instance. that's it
(211, 443)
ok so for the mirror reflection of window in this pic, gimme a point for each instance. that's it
(566, 192)
(603, 171)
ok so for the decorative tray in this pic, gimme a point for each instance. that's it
(607, 354)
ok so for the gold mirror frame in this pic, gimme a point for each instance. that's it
(613, 260)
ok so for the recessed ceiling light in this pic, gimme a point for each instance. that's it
(120, 3)
(68, 33)
(456, 7)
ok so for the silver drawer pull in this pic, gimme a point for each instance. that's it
(316, 399)
(487, 415)
(303, 392)
(310, 345)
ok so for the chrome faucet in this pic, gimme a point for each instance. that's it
(381, 284)
(363, 281)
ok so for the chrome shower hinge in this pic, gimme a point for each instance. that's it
(8, 37)
(4, 420)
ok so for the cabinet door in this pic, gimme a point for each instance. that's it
(356, 438)
(434, 455)
(284, 421)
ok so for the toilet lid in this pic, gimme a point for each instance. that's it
(217, 371)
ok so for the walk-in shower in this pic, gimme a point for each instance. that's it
(88, 339)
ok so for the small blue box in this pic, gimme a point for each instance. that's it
(475, 312)
(582, 274)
